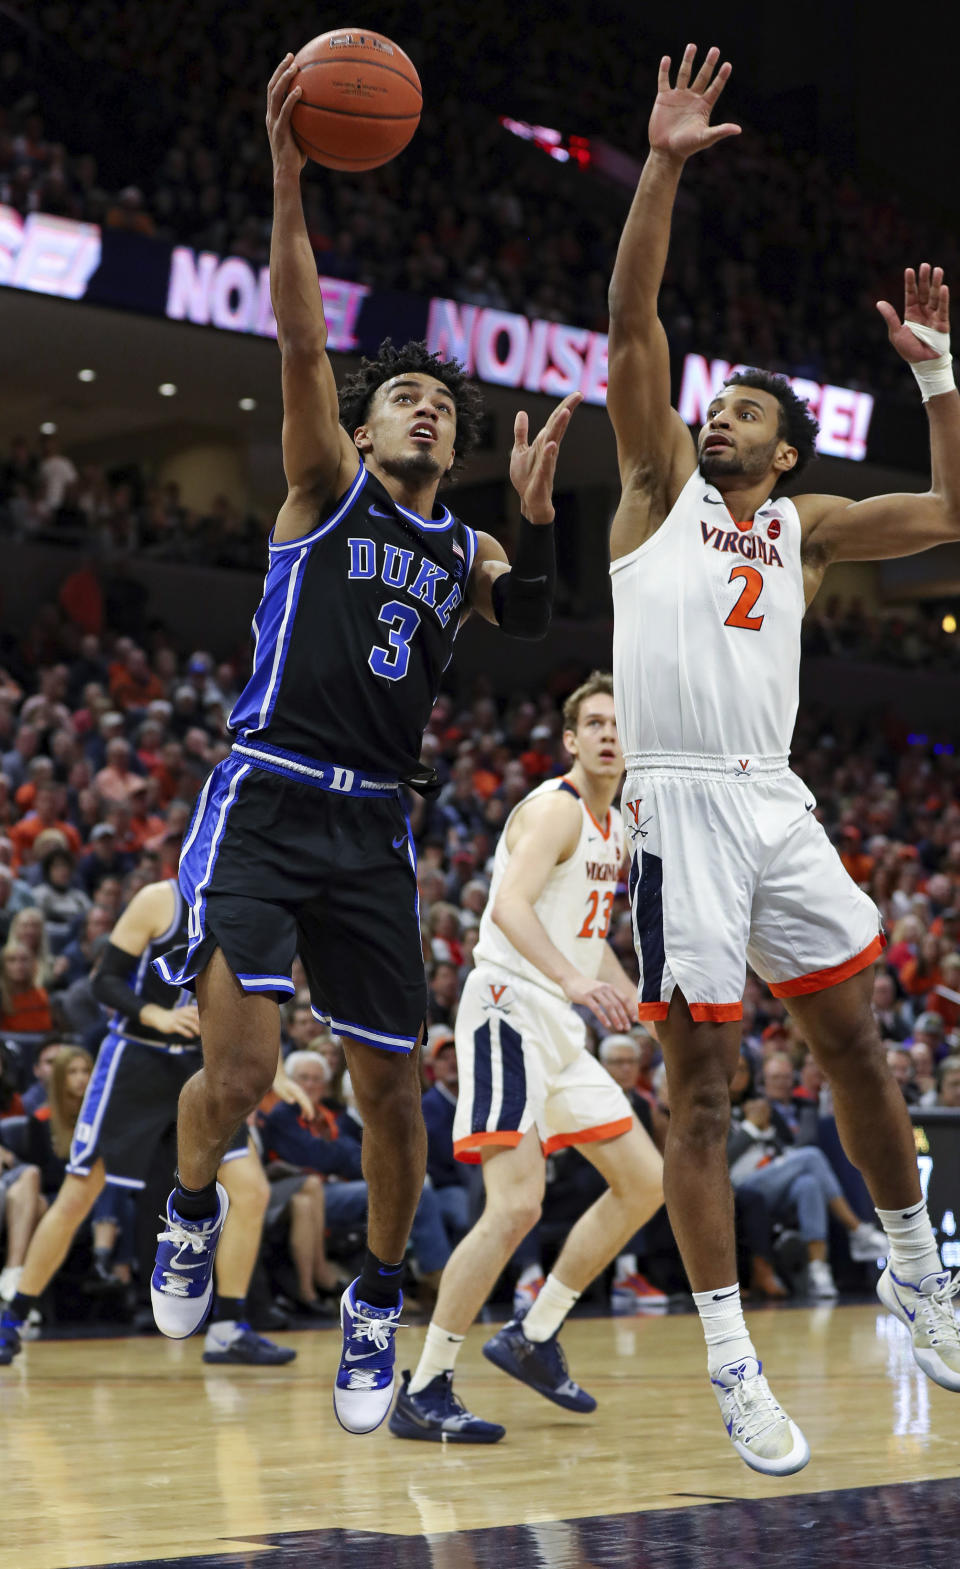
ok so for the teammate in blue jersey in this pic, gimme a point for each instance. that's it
(300, 843)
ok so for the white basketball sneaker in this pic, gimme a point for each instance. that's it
(759, 1428)
(926, 1307)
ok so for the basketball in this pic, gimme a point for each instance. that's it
(361, 99)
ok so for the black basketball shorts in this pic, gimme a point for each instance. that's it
(278, 863)
(129, 1105)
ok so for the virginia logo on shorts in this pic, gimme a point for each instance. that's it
(496, 1003)
(637, 828)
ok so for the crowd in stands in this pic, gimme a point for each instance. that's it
(777, 256)
(104, 745)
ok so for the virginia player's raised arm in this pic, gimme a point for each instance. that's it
(319, 459)
(520, 598)
(655, 450)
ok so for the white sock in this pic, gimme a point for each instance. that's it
(626, 1265)
(223, 1330)
(550, 1309)
(913, 1247)
(439, 1355)
(724, 1330)
(531, 1275)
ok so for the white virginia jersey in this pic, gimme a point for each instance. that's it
(574, 907)
(706, 641)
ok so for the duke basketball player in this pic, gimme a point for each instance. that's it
(712, 568)
(528, 1085)
(300, 843)
(149, 1052)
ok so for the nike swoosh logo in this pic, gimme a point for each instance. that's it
(908, 1214)
(397, 845)
(542, 579)
(724, 1296)
(362, 1356)
(374, 512)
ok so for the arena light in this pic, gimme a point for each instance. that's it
(48, 428)
(562, 149)
(949, 623)
(248, 405)
(167, 389)
(86, 375)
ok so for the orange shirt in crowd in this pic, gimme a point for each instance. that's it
(130, 693)
(915, 982)
(23, 834)
(29, 1013)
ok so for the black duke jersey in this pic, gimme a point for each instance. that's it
(354, 630)
(149, 985)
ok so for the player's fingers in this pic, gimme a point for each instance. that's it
(663, 75)
(889, 315)
(278, 84)
(686, 65)
(718, 84)
(909, 287)
(923, 283)
(521, 429)
(288, 105)
(702, 79)
(278, 72)
(943, 308)
(718, 133)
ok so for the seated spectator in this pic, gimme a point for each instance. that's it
(300, 1028)
(891, 1015)
(450, 1177)
(60, 902)
(924, 1072)
(38, 1093)
(29, 930)
(790, 1109)
(46, 814)
(901, 1066)
(24, 1006)
(929, 1031)
(444, 993)
(11, 1104)
(797, 1183)
(948, 1079)
(79, 955)
(938, 1000)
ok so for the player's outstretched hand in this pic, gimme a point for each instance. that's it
(172, 1021)
(926, 302)
(289, 1090)
(533, 464)
(680, 122)
(602, 999)
(280, 106)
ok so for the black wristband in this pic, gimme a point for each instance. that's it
(523, 597)
(111, 982)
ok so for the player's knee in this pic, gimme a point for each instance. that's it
(233, 1097)
(847, 1046)
(74, 1201)
(701, 1116)
(515, 1214)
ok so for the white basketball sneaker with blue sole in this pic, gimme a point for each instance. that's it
(181, 1286)
(926, 1307)
(759, 1428)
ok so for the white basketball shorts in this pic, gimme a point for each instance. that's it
(522, 1063)
(725, 870)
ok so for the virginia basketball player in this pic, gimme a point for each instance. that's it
(712, 569)
(149, 1052)
(299, 843)
(528, 1085)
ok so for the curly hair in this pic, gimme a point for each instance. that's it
(356, 393)
(796, 424)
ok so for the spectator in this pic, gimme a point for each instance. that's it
(929, 1031)
(450, 1178)
(949, 1083)
(104, 858)
(24, 1005)
(891, 1016)
(900, 1064)
(38, 1093)
(62, 905)
(443, 992)
(46, 814)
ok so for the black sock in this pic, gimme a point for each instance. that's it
(379, 1283)
(228, 1309)
(21, 1306)
(195, 1203)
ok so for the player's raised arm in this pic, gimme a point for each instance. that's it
(655, 450)
(548, 831)
(835, 529)
(319, 458)
(147, 916)
(520, 598)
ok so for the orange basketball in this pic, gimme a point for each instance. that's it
(361, 99)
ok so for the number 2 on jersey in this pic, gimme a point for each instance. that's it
(593, 905)
(403, 621)
(752, 588)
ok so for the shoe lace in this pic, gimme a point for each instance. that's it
(377, 1330)
(362, 1378)
(938, 1316)
(175, 1284)
(752, 1409)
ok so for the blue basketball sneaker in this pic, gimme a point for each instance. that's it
(438, 1416)
(539, 1363)
(363, 1388)
(237, 1343)
(181, 1286)
(10, 1345)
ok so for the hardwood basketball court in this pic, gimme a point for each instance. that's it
(133, 1452)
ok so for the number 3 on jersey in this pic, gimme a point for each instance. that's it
(752, 588)
(593, 905)
(402, 621)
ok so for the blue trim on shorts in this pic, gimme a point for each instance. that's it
(199, 856)
(95, 1101)
(482, 1079)
(514, 1079)
(335, 777)
(381, 1039)
(645, 888)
